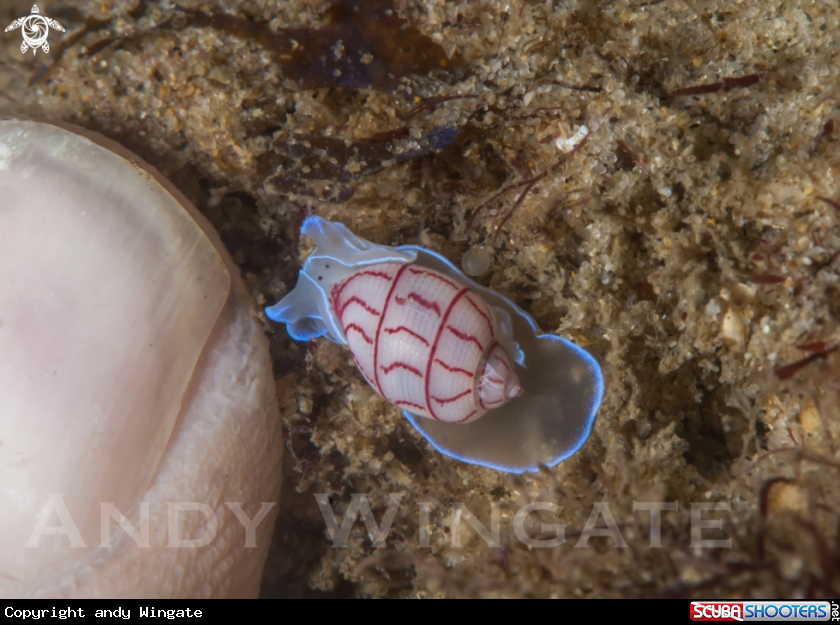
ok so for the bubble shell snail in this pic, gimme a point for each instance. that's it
(470, 369)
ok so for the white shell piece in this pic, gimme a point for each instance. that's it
(476, 260)
(567, 144)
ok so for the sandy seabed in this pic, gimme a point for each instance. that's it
(685, 245)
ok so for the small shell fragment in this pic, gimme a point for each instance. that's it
(567, 144)
(733, 330)
(476, 260)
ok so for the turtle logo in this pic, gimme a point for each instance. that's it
(36, 27)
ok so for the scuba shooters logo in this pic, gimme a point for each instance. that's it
(762, 611)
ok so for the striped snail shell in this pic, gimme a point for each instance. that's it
(446, 350)
(424, 341)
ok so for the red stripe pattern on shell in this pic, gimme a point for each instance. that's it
(418, 337)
